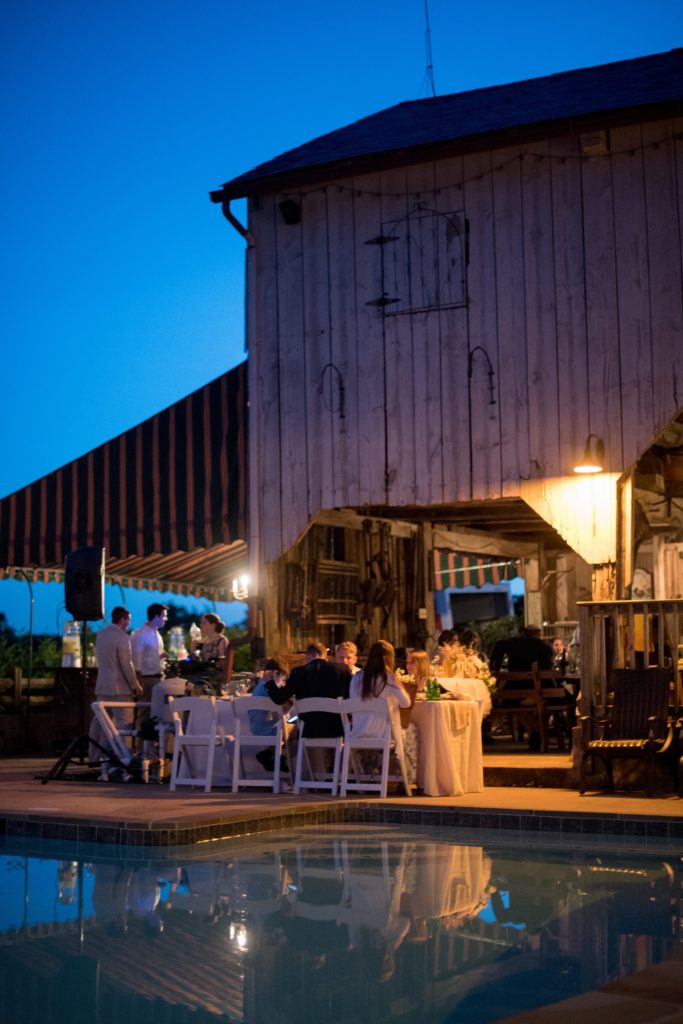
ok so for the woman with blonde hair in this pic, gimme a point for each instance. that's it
(417, 666)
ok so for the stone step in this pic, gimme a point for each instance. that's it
(528, 775)
(520, 768)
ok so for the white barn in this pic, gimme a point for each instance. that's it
(446, 300)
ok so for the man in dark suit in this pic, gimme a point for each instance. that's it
(522, 651)
(317, 678)
(517, 654)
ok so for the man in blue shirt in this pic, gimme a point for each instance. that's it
(263, 723)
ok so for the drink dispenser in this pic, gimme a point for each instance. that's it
(176, 644)
(71, 645)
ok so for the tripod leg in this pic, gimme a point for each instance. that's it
(60, 765)
(62, 762)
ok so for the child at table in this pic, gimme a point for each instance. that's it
(417, 666)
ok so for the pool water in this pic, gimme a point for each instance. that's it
(326, 925)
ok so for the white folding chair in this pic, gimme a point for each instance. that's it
(330, 706)
(379, 709)
(246, 740)
(197, 736)
(160, 711)
(116, 736)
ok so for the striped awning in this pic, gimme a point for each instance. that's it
(166, 499)
(456, 569)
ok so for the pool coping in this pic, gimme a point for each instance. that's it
(169, 834)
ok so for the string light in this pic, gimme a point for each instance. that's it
(540, 157)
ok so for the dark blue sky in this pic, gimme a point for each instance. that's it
(122, 284)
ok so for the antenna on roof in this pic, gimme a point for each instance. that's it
(429, 74)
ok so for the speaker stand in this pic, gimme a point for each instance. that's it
(83, 738)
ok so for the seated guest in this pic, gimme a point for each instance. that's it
(417, 666)
(471, 660)
(522, 651)
(264, 723)
(519, 653)
(446, 653)
(377, 680)
(347, 654)
(559, 654)
(317, 678)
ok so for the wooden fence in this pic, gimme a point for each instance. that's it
(628, 634)
(15, 690)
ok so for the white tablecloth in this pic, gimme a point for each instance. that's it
(452, 882)
(449, 752)
(475, 689)
(221, 775)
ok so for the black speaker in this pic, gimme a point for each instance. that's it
(84, 584)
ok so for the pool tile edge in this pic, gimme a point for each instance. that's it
(168, 835)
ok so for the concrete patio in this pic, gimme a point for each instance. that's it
(137, 815)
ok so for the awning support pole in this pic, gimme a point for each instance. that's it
(24, 576)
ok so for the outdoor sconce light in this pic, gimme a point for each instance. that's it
(240, 588)
(593, 460)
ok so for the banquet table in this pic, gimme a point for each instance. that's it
(221, 775)
(449, 759)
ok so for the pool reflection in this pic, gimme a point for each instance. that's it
(335, 927)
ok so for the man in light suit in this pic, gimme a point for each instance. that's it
(116, 676)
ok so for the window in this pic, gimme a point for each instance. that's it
(424, 258)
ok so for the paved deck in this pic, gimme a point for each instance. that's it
(137, 815)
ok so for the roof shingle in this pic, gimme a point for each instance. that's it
(643, 82)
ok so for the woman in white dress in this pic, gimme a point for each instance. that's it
(377, 681)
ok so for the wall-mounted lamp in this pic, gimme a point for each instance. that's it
(593, 460)
(240, 588)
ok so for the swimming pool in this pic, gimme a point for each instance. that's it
(333, 924)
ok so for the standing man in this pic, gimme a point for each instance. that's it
(522, 651)
(148, 653)
(116, 677)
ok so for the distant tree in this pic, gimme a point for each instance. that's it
(496, 629)
(14, 653)
(178, 615)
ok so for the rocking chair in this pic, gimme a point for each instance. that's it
(638, 725)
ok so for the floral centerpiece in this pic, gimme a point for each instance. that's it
(487, 677)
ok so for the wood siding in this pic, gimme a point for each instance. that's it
(384, 582)
(573, 299)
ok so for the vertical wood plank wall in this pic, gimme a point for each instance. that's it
(574, 289)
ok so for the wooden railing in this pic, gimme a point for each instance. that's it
(15, 691)
(628, 634)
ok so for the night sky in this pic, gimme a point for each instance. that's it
(122, 284)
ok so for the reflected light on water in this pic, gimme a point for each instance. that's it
(327, 926)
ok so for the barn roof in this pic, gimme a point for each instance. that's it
(414, 130)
